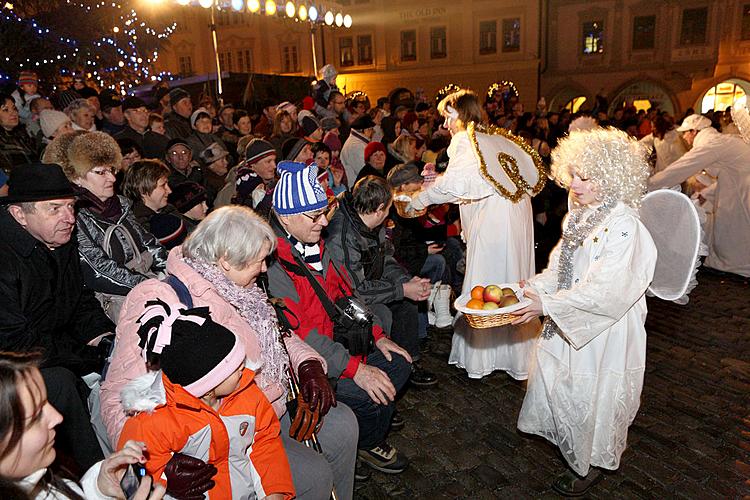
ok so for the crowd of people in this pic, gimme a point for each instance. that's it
(254, 296)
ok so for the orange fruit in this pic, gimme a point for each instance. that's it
(477, 292)
(475, 304)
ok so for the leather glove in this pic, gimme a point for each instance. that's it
(305, 420)
(188, 478)
(314, 386)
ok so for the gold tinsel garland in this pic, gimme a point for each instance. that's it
(508, 163)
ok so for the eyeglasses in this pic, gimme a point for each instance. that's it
(104, 171)
(179, 153)
(318, 216)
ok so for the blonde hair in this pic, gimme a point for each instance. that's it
(401, 147)
(466, 104)
(610, 158)
(233, 232)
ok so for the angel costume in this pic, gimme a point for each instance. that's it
(499, 238)
(585, 381)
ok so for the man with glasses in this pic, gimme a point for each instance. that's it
(180, 161)
(371, 368)
(152, 144)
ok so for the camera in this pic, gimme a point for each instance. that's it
(355, 311)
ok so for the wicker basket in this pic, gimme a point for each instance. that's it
(402, 202)
(488, 319)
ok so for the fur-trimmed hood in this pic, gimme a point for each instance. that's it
(145, 393)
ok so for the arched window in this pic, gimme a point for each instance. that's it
(575, 104)
(723, 95)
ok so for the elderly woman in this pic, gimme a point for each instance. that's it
(83, 114)
(217, 266)
(585, 381)
(116, 251)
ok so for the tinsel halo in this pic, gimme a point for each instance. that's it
(613, 160)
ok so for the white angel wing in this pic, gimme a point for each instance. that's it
(675, 227)
(741, 117)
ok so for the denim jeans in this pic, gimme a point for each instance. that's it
(436, 269)
(374, 419)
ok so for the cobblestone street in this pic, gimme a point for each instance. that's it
(691, 438)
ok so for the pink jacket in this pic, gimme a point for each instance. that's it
(127, 362)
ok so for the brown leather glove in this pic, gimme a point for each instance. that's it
(314, 386)
(188, 478)
(304, 420)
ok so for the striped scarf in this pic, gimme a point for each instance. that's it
(310, 253)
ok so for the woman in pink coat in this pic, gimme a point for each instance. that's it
(218, 264)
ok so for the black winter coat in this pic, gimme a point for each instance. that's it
(45, 305)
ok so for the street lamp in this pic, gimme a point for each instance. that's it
(270, 8)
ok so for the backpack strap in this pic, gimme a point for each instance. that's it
(180, 289)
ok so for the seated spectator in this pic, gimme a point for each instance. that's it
(177, 121)
(322, 157)
(256, 177)
(297, 149)
(353, 152)
(374, 161)
(189, 198)
(113, 119)
(37, 105)
(242, 123)
(147, 189)
(227, 132)
(27, 91)
(40, 275)
(356, 240)
(311, 129)
(156, 124)
(180, 162)
(116, 251)
(370, 369)
(219, 264)
(82, 113)
(130, 152)
(283, 130)
(403, 150)
(28, 443)
(200, 364)
(215, 159)
(264, 127)
(53, 123)
(202, 136)
(16, 147)
(136, 115)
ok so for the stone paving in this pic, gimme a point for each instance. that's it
(691, 438)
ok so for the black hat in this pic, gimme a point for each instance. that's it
(292, 147)
(422, 106)
(87, 92)
(193, 350)
(176, 95)
(108, 101)
(309, 125)
(169, 229)
(177, 140)
(363, 123)
(132, 102)
(258, 149)
(37, 182)
(187, 195)
(402, 174)
(160, 93)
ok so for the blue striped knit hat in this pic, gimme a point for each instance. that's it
(298, 190)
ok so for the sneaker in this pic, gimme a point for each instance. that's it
(384, 458)
(421, 377)
(397, 421)
(361, 473)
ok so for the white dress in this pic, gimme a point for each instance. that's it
(585, 386)
(499, 238)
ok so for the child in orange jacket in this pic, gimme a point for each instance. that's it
(204, 403)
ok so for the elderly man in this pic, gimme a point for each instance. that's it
(177, 121)
(180, 161)
(353, 152)
(45, 304)
(136, 115)
(726, 158)
(326, 312)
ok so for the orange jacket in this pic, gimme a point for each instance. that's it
(241, 439)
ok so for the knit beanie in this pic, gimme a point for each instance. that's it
(372, 147)
(292, 147)
(169, 229)
(187, 195)
(66, 97)
(193, 350)
(176, 95)
(309, 125)
(298, 190)
(258, 149)
(50, 120)
(308, 103)
(27, 77)
(286, 106)
(329, 123)
(198, 113)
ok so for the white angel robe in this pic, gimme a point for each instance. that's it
(727, 158)
(499, 238)
(585, 386)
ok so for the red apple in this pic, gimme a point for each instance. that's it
(493, 293)
(490, 305)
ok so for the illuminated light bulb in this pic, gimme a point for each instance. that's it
(302, 13)
(270, 8)
(339, 19)
(347, 21)
(206, 4)
(140, 60)
(329, 18)
(121, 64)
(290, 10)
(253, 5)
(183, 2)
(116, 29)
(313, 13)
(238, 5)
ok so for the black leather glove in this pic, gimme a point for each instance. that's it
(314, 387)
(188, 478)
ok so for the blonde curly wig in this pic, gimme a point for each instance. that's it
(610, 158)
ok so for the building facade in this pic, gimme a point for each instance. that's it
(674, 54)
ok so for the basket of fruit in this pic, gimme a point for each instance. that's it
(490, 305)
